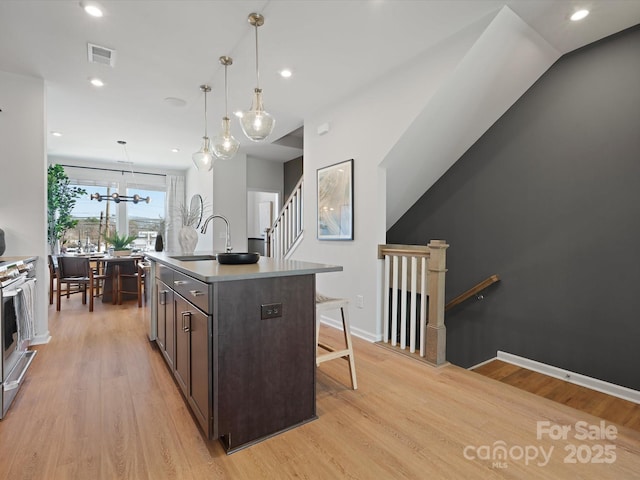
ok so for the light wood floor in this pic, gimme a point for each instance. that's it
(613, 409)
(99, 403)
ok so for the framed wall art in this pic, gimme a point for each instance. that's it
(335, 201)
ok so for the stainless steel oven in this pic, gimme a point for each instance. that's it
(16, 357)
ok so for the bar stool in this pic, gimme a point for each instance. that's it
(324, 303)
(139, 275)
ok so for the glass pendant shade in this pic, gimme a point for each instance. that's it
(256, 123)
(204, 158)
(224, 145)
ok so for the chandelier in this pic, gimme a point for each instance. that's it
(116, 197)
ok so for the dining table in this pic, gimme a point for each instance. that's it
(112, 266)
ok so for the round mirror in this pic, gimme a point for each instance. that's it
(196, 208)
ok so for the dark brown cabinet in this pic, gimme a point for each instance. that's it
(192, 366)
(241, 351)
(266, 362)
(165, 322)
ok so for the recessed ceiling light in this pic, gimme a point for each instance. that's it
(56, 134)
(92, 8)
(285, 73)
(175, 150)
(579, 15)
(238, 113)
(96, 82)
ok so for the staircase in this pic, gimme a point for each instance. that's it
(282, 238)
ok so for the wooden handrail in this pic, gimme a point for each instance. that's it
(411, 250)
(472, 291)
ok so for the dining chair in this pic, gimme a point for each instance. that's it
(53, 266)
(139, 276)
(77, 271)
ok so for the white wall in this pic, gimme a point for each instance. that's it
(265, 182)
(371, 127)
(254, 200)
(365, 127)
(265, 176)
(23, 180)
(224, 190)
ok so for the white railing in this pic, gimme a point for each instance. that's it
(282, 236)
(410, 270)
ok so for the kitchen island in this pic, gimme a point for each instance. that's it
(239, 341)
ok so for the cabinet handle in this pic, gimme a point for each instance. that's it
(180, 282)
(186, 327)
(163, 297)
(196, 293)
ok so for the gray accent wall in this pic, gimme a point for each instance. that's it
(292, 173)
(549, 199)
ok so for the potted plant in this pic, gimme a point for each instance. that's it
(61, 198)
(120, 243)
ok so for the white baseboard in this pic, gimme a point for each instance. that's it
(40, 339)
(482, 363)
(356, 332)
(572, 377)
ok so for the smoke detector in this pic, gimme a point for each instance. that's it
(102, 55)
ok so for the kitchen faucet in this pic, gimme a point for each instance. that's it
(227, 247)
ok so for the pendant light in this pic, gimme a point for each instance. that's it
(257, 124)
(224, 145)
(204, 158)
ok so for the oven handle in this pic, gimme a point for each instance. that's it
(16, 383)
(14, 290)
(11, 293)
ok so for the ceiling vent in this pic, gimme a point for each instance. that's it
(102, 55)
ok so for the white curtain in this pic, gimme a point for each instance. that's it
(175, 197)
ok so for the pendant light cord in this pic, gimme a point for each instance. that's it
(226, 94)
(257, 70)
(205, 113)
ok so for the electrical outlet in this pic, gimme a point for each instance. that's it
(270, 310)
(359, 301)
(222, 235)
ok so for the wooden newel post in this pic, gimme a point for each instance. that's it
(436, 333)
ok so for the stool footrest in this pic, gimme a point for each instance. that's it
(324, 303)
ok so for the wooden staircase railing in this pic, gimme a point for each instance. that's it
(472, 292)
(287, 229)
(424, 267)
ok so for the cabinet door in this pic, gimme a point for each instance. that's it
(161, 303)
(181, 365)
(193, 359)
(166, 322)
(200, 370)
(170, 330)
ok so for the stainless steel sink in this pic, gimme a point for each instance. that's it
(238, 258)
(192, 258)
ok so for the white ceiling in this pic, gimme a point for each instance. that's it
(169, 48)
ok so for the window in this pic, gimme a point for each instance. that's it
(146, 220)
(93, 219)
(143, 220)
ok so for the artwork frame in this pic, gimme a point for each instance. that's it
(335, 201)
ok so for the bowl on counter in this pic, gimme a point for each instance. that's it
(237, 258)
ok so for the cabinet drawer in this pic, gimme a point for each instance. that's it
(193, 290)
(165, 274)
